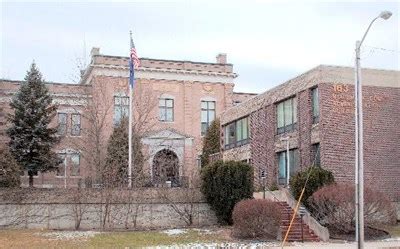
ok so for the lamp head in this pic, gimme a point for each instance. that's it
(385, 14)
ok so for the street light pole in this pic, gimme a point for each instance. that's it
(359, 149)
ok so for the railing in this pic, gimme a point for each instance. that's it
(161, 182)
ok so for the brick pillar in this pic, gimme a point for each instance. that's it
(262, 144)
(304, 125)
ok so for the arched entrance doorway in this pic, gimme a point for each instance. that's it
(166, 167)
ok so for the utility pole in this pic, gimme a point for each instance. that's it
(359, 137)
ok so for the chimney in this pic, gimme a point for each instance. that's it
(221, 58)
(94, 51)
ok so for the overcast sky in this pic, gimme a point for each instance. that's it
(268, 42)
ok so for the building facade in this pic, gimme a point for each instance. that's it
(312, 116)
(173, 104)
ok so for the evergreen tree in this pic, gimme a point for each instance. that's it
(116, 168)
(224, 184)
(31, 140)
(211, 143)
(9, 170)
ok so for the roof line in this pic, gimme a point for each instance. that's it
(152, 59)
(245, 93)
(46, 82)
(367, 68)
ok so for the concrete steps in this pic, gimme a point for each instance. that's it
(299, 231)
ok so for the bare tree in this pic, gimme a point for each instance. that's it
(95, 115)
(188, 210)
(80, 206)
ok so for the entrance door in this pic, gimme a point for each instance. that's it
(166, 167)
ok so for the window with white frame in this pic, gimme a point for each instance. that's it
(166, 109)
(61, 169)
(75, 124)
(75, 164)
(121, 108)
(286, 115)
(62, 124)
(70, 164)
(207, 115)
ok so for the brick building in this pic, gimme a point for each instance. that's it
(174, 103)
(314, 114)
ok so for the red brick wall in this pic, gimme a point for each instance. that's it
(263, 130)
(304, 126)
(335, 132)
(381, 135)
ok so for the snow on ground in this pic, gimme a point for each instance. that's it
(69, 235)
(199, 245)
(204, 231)
(172, 232)
(387, 243)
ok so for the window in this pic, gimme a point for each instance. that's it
(121, 108)
(166, 107)
(242, 131)
(237, 133)
(62, 124)
(75, 164)
(207, 115)
(315, 105)
(283, 164)
(76, 124)
(61, 167)
(315, 154)
(230, 135)
(286, 115)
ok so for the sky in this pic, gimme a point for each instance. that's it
(267, 42)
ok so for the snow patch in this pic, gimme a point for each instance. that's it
(392, 239)
(172, 232)
(250, 245)
(69, 235)
(204, 231)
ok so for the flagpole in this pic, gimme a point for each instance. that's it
(130, 128)
(130, 138)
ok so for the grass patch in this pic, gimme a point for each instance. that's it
(152, 238)
(134, 239)
(32, 239)
(394, 231)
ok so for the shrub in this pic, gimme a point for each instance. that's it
(333, 206)
(256, 219)
(319, 177)
(10, 170)
(211, 142)
(224, 184)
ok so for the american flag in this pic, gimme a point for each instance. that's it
(134, 63)
(134, 57)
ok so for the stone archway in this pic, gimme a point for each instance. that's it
(166, 167)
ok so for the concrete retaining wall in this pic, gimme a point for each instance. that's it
(144, 209)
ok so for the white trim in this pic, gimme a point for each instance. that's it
(69, 111)
(166, 96)
(209, 98)
(68, 151)
(120, 94)
(164, 74)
